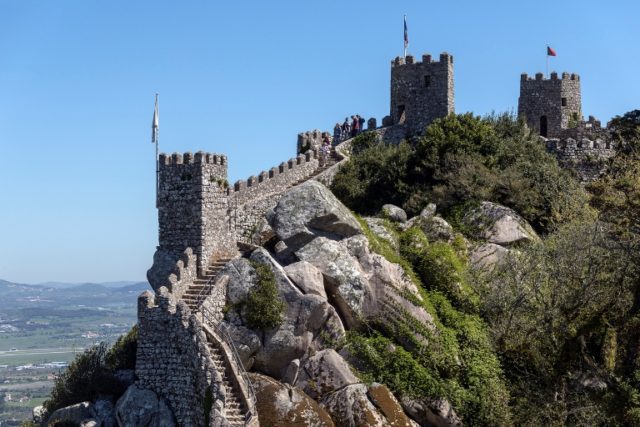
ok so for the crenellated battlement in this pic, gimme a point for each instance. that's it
(189, 158)
(524, 77)
(550, 105)
(586, 157)
(427, 59)
(288, 169)
(311, 140)
(274, 180)
(421, 91)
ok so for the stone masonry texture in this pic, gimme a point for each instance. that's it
(202, 218)
(421, 91)
(554, 103)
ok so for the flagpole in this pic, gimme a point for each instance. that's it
(157, 144)
(405, 37)
(547, 52)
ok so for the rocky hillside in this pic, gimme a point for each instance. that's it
(512, 301)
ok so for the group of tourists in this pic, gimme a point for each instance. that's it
(348, 129)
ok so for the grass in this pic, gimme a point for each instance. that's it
(458, 362)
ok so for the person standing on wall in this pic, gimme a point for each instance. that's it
(337, 134)
(346, 129)
(355, 124)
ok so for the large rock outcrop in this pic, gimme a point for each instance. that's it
(307, 320)
(432, 413)
(488, 256)
(281, 405)
(360, 406)
(325, 372)
(394, 213)
(306, 277)
(344, 278)
(142, 408)
(498, 224)
(311, 210)
(76, 414)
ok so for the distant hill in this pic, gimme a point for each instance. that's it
(119, 284)
(18, 296)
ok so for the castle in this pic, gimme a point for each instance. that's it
(203, 220)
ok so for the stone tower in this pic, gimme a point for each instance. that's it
(550, 106)
(421, 91)
(193, 209)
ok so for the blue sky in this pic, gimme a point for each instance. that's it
(77, 80)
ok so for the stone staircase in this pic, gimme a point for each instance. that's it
(235, 410)
(331, 160)
(201, 287)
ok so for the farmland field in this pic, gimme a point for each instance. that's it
(42, 328)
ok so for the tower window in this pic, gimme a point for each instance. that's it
(401, 114)
(564, 102)
(427, 81)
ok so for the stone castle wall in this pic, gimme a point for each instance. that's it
(541, 97)
(173, 358)
(178, 279)
(250, 213)
(275, 180)
(587, 158)
(421, 91)
(310, 140)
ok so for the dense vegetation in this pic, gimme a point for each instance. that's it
(457, 362)
(460, 160)
(264, 307)
(92, 373)
(553, 337)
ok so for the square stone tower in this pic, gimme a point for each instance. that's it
(421, 91)
(193, 207)
(551, 105)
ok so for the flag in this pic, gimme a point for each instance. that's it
(155, 125)
(550, 51)
(406, 33)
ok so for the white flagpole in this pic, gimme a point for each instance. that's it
(155, 128)
(405, 38)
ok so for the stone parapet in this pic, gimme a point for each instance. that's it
(587, 158)
(274, 180)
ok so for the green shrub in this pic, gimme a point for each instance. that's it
(632, 417)
(375, 176)
(462, 159)
(28, 424)
(439, 267)
(392, 365)
(123, 353)
(264, 307)
(364, 141)
(85, 378)
(412, 243)
(476, 391)
(458, 362)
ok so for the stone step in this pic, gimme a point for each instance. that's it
(234, 417)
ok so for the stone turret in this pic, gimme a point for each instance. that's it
(193, 206)
(421, 91)
(550, 106)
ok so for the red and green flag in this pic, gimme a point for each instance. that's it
(550, 51)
